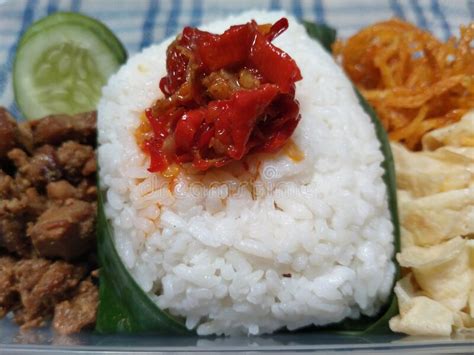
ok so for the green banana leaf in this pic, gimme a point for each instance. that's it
(125, 307)
(379, 324)
(322, 33)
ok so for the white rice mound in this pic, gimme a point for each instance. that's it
(300, 243)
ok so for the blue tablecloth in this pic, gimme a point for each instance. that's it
(142, 22)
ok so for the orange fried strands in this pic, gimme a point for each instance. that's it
(415, 82)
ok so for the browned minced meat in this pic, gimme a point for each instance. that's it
(76, 159)
(47, 213)
(13, 237)
(62, 190)
(39, 169)
(8, 294)
(42, 284)
(80, 312)
(57, 129)
(18, 205)
(66, 231)
(7, 133)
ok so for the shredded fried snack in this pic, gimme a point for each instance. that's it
(415, 82)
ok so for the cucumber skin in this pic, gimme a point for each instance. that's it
(99, 28)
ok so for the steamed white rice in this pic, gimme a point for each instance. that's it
(285, 244)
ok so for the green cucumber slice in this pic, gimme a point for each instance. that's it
(96, 26)
(61, 69)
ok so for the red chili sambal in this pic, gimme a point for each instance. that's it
(225, 96)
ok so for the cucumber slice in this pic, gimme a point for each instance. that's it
(61, 68)
(96, 26)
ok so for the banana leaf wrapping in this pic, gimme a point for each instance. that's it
(126, 308)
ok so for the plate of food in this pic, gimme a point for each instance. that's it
(206, 176)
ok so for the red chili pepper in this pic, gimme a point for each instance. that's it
(225, 51)
(189, 126)
(176, 64)
(159, 162)
(280, 130)
(277, 28)
(275, 65)
(236, 118)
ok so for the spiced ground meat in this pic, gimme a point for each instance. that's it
(79, 312)
(57, 129)
(41, 284)
(8, 295)
(47, 221)
(75, 160)
(7, 133)
(64, 231)
(39, 169)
